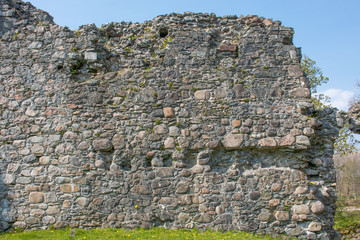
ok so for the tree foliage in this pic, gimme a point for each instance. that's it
(348, 178)
(346, 142)
(316, 79)
(313, 73)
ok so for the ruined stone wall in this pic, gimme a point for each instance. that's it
(17, 14)
(188, 120)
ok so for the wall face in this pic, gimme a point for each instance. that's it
(16, 14)
(183, 121)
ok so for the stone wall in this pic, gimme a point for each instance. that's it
(17, 14)
(188, 120)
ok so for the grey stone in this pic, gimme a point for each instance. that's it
(48, 220)
(141, 189)
(54, 170)
(23, 180)
(315, 227)
(183, 217)
(174, 131)
(297, 231)
(221, 131)
(35, 45)
(102, 145)
(240, 91)
(202, 95)
(182, 187)
(32, 220)
(254, 195)
(220, 93)
(265, 216)
(160, 129)
(202, 218)
(303, 140)
(92, 56)
(197, 169)
(95, 98)
(53, 210)
(36, 139)
(54, 138)
(169, 143)
(301, 209)
(155, 162)
(158, 113)
(300, 92)
(31, 112)
(282, 215)
(295, 71)
(118, 141)
(228, 187)
(84, 145)
(9, 179)
(233, 141)
(82, 202)
(317, 207)
(37, 150)
(301, 190)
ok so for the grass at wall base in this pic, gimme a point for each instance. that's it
(136, 234)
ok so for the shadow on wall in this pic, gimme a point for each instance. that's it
(221, 160)
(7, 215)
(4, 206)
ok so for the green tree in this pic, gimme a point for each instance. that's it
(313, 73)
(348, 178)
(346, 142)
(316, 79)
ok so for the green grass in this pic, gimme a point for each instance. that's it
(137, 234)
(347, 222)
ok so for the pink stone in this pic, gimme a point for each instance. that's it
(168, 112)
(236, 123)
(268, 142)
(288, 140)
(202, 95)
(282, 215)
(228, 48)
(36, 197)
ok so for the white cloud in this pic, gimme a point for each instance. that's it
(339, 98)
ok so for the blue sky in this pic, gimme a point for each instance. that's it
(327, 31)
